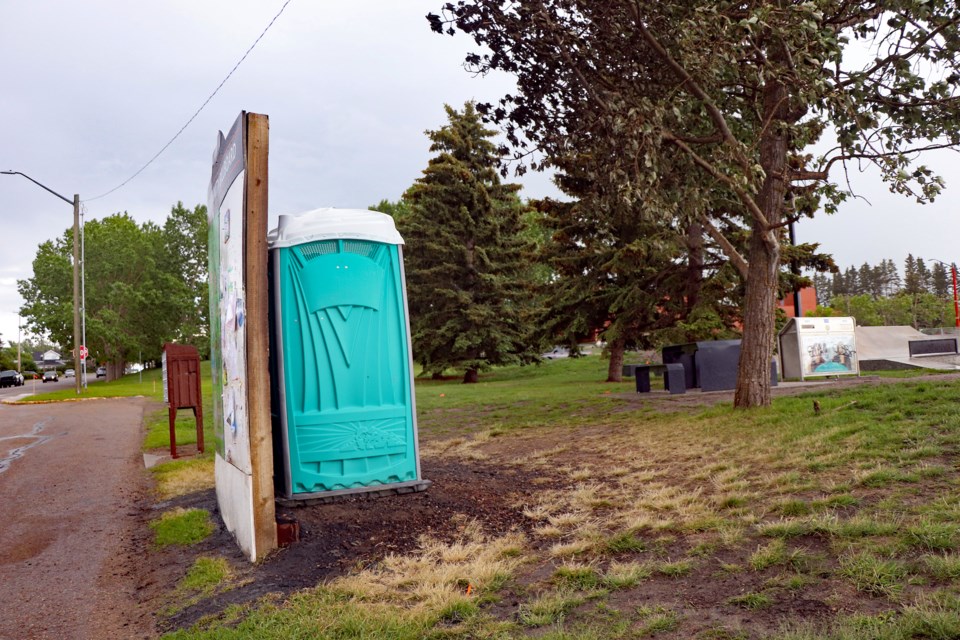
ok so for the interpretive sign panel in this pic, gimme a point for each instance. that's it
(238, 219)
(811, 347)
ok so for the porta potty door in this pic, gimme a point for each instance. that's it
(345, 366)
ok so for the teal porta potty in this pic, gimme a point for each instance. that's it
(343, 372)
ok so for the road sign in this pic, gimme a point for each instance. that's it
(83, 352)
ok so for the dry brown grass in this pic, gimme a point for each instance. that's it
(183, 477)
(440, 574)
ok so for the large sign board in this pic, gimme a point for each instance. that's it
(238, 219)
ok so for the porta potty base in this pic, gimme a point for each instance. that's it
(326, 497)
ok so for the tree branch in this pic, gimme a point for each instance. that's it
(823, 173)
(742, 194)
(693, 87)
(893, 57)
(737, 260)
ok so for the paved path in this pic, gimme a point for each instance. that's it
(70, 477)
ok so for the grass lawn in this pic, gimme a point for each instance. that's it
(656, 518)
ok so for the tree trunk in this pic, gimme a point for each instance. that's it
(694, 266)
(756, 348)
(759, 308)
(115, 369)
(471, 376)
(615, 368)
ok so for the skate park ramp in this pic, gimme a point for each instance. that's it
(885, 348)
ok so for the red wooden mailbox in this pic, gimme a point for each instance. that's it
(181, 388)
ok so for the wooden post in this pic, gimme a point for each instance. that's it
(172, 414)
(76, 287)
(257, 333)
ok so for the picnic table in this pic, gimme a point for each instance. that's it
(673, 376)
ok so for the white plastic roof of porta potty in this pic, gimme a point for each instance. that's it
(333, 224)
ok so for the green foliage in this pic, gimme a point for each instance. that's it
(185, 255)
(761, 449)
(920, 310)
(182, 527)
(205, 574)
(548, 608)
(705, 111)
(467, 271)
(878, 576)
(580, 578)
(635, 277)
(772, 554)
(144, 286)
(943, 567)
(656, 620)
(751, 600)
(932, 536)
(676, 568)
(397, 210)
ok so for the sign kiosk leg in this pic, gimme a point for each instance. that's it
(198, 415)
(173, 431)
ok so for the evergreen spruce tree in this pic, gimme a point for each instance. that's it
(923, 276)
(465, 255)
(890, 278)
(838, 286)
(867, 279)
(939, 280)
(912, 283)
(852, 282)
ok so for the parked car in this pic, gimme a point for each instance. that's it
(50, 376)
(101, 372)
(10, 378)
(556, 352)
(69, 373)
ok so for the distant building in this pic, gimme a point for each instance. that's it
(808, 302)
(47, 359)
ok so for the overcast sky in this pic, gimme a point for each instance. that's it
(92, 90)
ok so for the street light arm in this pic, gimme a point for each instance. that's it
(17, 173)
(76, 264)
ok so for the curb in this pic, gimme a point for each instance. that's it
(14, 403)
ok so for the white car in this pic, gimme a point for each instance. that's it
(69, 373)
(555, 353)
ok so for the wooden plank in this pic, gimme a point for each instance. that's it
(258, 340)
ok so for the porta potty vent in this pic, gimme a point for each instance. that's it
(347, 417)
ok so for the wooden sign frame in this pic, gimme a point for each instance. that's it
(239, 335)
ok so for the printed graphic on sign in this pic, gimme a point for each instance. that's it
(828, 354)
(228, 325)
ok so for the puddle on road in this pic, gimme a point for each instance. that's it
(33, 438)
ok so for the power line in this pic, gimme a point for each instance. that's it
(194, 116)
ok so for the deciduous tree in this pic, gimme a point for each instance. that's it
(135, 300)
(741, 89)
(185, 256)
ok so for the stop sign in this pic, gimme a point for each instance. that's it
(83, 352)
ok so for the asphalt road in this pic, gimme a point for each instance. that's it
(70, 475)
(31, 387)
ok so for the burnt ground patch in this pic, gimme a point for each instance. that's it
(353, 532)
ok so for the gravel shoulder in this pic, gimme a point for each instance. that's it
(71, 482)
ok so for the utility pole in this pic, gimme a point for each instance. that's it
(76, 265)
(76, 288)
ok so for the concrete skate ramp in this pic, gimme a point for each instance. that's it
(888, 348)
(880, 343)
